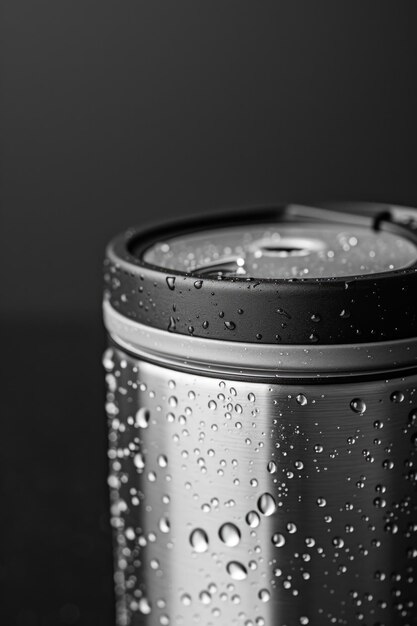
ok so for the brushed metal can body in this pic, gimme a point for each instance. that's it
(250, 503)
(261, 486)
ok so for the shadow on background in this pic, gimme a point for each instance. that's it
(56, 556)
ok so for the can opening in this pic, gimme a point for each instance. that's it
(284, 247)
(284, 251)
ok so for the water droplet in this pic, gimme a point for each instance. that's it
(301, 399)
(230, 325)
(162, 460)
(315, 318)
(144, 606)
(164, 525)
(338, 542)
(345, 314)
(264, 595)
(212, 405)
(304, 621)
(310, 542)
(387, 464)
(397, 397)
(108, 362)
(199, 540)
(318, 448)
(291, 527)
(272, 467)
(130, 534)
(321, 502)
(139, 461)
(391, 527)
(172, 401)
(142, 417)
(172, 324)
(358, 406)
(229, 534)
(186, 599)
(236, 570)
(171, 282)
(253, 519)
(298, 465)
(205, 597)
(267, 504)
(198, 284)
(380, 503)
(412, 418)
(414, 440)
(251, 397)
(278, 540)
(284, 313)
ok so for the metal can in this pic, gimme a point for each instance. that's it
(261, 394)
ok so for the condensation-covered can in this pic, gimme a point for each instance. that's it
(261, 394)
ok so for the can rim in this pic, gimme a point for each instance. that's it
(129, 248)
(381, 305)
(266, 361)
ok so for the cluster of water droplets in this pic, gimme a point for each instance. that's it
(227, 501)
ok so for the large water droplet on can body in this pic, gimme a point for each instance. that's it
(264, 595)
(142, 417)
(236, 570)
(253, 519)
(144, 606)
(301, 399)
(171, 282)
(229, 534)
(267, 504)
(199, 540)
(278, 540)
(358, 406)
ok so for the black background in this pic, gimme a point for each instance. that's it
(119, 113)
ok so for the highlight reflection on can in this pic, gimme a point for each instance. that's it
(261, 394)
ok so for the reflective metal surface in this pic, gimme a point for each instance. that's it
(301, 250)
(246, 503)
(249, 360)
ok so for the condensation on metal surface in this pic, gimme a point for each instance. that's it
(285, 251)
(253, 361)
(256, 504)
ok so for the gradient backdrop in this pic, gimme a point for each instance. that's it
(119, 113)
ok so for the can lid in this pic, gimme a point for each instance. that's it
(335, 274)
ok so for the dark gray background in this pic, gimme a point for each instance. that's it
(119, 113)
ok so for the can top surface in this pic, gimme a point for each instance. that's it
(283, 251)
(338, 274)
